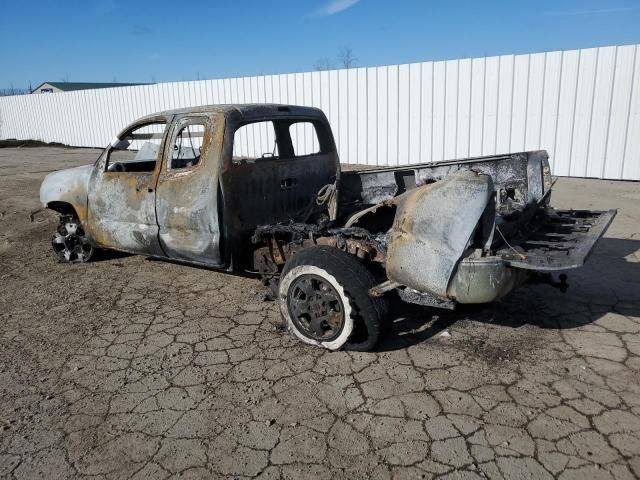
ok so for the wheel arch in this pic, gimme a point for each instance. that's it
(66, 191)
(63, 208)
(353, 279)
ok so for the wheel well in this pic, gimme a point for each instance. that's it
(63, 208)
(355, 279)
(275, 245)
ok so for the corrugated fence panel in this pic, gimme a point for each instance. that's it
(426, 114)
(582, 106)
(450, 109)
(600, 114)
(351, 114)
(393, 114)
(438, 95)
(630, 163)
(587, 63)
(490, 118)
(519, 102)
(404, 118)
(550, 101)
(472, 100)
(382, 119)
(620, 102)
(535, 101)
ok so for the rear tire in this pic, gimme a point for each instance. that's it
(324, 300)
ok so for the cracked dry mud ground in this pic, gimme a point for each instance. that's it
(131, 368)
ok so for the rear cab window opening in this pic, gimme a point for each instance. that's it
(255, 141)
(278, 139)
(304, 139)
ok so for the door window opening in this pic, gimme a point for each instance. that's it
(187, 146)
(137, 150)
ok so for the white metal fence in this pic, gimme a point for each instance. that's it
(582, 106)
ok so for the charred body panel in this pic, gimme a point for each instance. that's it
(516, 234)
(271, 191)
(445, 241)
(187, 198)
(433, 228)
(65, 191)
(519, 179)
(121, 204)
(205, 214)
(557, 239)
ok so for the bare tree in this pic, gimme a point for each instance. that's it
(346, 58)
(323, 63)
(8, 92)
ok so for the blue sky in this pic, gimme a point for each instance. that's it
(157, 40)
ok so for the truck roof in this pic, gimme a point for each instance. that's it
(249, 111)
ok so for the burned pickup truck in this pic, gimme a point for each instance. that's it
(258, 190)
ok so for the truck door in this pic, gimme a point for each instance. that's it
(187, 190)
(121, 201)
(277, 168)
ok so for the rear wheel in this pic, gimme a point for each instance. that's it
(324, 299)
(70, 242)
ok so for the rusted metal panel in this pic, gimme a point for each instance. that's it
(121, 205)
(284, 241)
(557, 240)
(274, 190)
(187, 198)
(432, 229)
(68, 186)
(122, 212)
(176, 213)
(518, 179)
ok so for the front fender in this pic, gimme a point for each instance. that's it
(67, 187)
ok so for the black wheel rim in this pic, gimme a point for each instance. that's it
(71, 244)
(315, 308)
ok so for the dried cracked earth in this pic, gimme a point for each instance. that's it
(132, 368)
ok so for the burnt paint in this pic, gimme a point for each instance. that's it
(121, 205)
(519, 179)
(255, 193)
(186, 198)
(433, 228)
(201, 208)
(67, 188)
